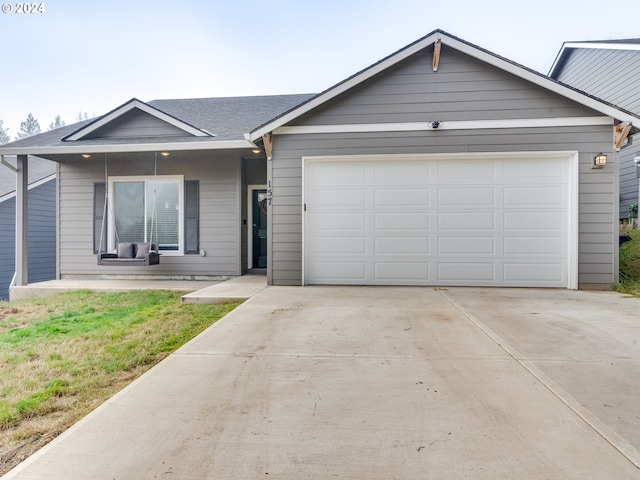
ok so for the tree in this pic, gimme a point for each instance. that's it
(29, 127)
(82, 116)
(4, 134)
(57, 123)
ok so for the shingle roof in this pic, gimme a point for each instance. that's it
(229, 118)
(39, 168)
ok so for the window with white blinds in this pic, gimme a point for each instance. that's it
(148, 209)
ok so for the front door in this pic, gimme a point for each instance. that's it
(259, 222)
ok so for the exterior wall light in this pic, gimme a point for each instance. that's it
(599, 161)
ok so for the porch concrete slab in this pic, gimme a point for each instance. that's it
(345, 382)
(236, 289)
(53, 287)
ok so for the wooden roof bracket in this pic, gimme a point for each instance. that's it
(436, 54)
(267, 140)
(620, 133)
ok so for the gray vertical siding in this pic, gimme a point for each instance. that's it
(608, 74)
(220, 216)
(42, 236)
(613, 76)
(629, 176)
(462, 89)
(136, 123)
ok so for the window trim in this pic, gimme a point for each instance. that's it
(147, 178)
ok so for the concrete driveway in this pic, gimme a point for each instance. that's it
(379, 383)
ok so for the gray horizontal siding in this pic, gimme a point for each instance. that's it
(462, 89)
(136, 123)
(41, 236)
(608, 74)
(219, 179)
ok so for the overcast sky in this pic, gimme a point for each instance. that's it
(92, 56)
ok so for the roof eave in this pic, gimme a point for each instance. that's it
(73, 148)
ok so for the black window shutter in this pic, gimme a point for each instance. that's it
(192, 217)
(99, 190)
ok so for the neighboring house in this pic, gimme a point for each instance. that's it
(441, 164)
(610, 70)
(42, 222)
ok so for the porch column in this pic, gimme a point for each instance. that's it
(22, 189)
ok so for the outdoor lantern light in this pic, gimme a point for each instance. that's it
(599, 160)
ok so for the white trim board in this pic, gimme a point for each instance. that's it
(445, 125)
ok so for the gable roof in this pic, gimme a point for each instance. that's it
(228, 118)
(457, 44)
(96, 124)
(623, 44)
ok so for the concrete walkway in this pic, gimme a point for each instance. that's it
(379, 383)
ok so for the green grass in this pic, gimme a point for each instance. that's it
(630, 265)
(62, 356)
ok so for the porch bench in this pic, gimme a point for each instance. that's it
(131, 254)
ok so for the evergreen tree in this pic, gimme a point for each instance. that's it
(82, 116)
(29, 127)
(4, 134)
(57, 123)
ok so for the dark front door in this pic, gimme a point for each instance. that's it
(259, 229)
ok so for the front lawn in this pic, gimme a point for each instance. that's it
(630, 265)
(62, 356)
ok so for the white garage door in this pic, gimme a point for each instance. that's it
(499, 220)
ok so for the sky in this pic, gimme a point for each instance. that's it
(79, 56)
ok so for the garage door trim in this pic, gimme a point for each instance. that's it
(570, 157)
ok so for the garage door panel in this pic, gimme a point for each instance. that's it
(460, 245)
(546, 246)
(549, 274)
(344, 198)
(467, 221)
(464, 221)
(540, 171)
(407, 198)
(339, 272)
(351, 245)
(534, 196)
(401, 245)
(350, 174)
(467, 197)
(466, 272)
(403, 173)
(340, 221)
(407, 222)
(401, 271)
(465, 172)
(548, 221)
